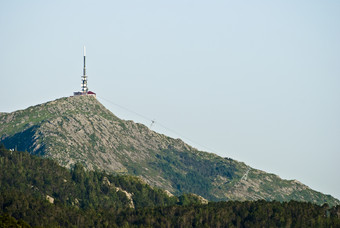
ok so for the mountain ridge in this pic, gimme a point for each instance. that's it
(81, 129)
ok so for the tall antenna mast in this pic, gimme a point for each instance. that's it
(84, 88)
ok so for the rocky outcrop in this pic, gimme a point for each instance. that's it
(50, 199)
(128, 195)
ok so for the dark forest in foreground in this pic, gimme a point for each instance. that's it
(90, 198)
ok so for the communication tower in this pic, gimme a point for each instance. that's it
(84, 88)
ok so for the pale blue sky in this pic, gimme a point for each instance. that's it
(257, 81)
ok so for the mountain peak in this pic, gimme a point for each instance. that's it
(80, 129)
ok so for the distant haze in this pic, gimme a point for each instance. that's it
(257, 81)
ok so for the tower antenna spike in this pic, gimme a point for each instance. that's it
(84, 88)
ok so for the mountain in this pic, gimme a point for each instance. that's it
(81, 130)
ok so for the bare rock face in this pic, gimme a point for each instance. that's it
(50, 199)
(80, 129)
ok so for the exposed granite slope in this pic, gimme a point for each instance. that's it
(81, 129)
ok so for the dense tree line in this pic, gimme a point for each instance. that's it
(92, 198)
(236, 214)
(40, 177)
(27, 181)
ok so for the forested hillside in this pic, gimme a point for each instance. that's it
(31, 186)
(38, 192)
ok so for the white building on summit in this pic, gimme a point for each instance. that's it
(84, 89)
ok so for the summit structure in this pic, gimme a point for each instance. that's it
(84, 88)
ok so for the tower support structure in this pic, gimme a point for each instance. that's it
(84, 88)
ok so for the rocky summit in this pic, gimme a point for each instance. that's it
(81, 130)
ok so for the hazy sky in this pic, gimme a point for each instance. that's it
(257, 81)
